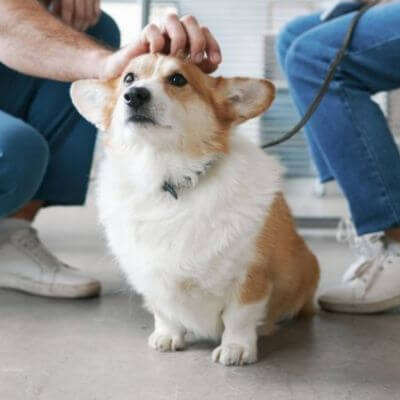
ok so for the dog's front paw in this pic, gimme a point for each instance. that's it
(166, 342)
(234, 354)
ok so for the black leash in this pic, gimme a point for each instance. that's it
(329, 77)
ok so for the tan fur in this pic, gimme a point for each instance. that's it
(109, 107)
(286, 271)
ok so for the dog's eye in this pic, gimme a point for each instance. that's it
(177, 80)
(129, 78)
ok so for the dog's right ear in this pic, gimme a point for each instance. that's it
(94, 99)
(246, 98)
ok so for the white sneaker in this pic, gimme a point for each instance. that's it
(372, 283)
(27, 265)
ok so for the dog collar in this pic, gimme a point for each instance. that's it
(188, 181)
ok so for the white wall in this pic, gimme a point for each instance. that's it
(127, 15)
(239, 27)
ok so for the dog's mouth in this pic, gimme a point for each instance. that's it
(137, 118)
(145, 120)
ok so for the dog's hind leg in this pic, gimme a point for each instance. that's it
(309, 308)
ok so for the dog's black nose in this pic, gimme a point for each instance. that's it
(137, 96)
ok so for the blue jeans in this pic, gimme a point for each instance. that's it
(349, 137)
(46, 147)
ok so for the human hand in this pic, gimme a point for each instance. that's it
(79, 14)
(183, 38)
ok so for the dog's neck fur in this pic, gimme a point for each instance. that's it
(188, 178)
(164, 170)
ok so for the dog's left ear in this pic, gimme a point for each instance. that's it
(94, 99)
(247, 97)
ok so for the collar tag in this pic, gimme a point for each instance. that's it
(171, 189)
(187, 180)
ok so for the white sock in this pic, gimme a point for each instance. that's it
(10, 225)
(394, 244)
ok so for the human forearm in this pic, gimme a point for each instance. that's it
(34, 42)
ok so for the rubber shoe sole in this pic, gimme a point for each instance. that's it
(21, 284)
(361, 308)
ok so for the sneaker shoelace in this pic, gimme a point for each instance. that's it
(392, 252)
(388, 256)
(369, 250)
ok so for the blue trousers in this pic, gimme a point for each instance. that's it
(46, 147)
(348, 135)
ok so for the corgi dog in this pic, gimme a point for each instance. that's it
(193, 212)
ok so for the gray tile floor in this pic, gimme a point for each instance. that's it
(96, 349)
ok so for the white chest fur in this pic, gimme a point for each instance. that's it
(186, 256)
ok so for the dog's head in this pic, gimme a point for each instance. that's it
(171, 104)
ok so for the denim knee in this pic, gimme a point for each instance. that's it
(24, 156)
(282, 45)
(301, 61)
(292, 31)
(106, 30)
